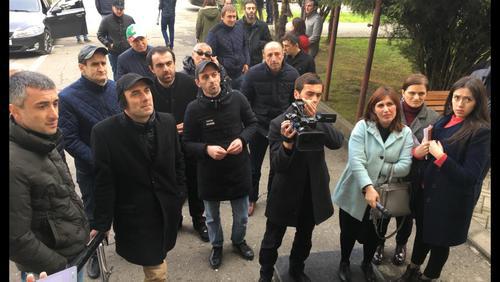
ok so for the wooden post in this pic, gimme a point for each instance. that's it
(369, 59)
(331, 50)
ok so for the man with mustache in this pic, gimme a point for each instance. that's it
(268, 87)
(257, 32)
(140, 181)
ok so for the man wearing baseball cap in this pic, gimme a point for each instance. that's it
(82, 104)
(134, 59)
(217, 127)
(111, 32)
(140, 182)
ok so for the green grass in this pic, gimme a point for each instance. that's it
(389, 67)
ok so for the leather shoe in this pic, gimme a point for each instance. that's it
(299, 277)
(202, 231)
(368, 272)
(378, 257)
(411, 274)
(93, 270)
(344, 271)
(399, 255)
(215, 258)
(244, 250)
(251, 208)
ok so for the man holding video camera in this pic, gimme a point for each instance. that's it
(299, 195)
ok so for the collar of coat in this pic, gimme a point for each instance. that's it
(33, 141)
(371, 128)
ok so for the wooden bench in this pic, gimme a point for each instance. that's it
(436, 100)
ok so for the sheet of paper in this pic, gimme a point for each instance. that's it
(67, 275)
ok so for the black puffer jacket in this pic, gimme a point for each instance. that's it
(219, 121)
(257, 36)
(269, 94)
(47, 224)
(112, 31)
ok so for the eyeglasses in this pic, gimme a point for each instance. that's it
(201, 53)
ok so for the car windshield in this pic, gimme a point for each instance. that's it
(24, 5)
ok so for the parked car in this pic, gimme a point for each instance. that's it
(34, 24)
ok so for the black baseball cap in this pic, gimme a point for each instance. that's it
(120, 4)
(202, 65)
(130, 79)
(88, 51)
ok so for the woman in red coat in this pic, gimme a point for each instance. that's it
(299, 30)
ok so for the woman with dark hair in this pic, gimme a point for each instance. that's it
(379, 143)
(208, 16)
(417, 116)
(299, 30)
(456, 161)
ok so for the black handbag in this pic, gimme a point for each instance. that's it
(394, 196)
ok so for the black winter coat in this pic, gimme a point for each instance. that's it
(112, 30)
(452, 191)
(140, 196)
(294, 172)
(257, 35)
(47, 224)
(133, 61)
(219, 121)
(269, 94)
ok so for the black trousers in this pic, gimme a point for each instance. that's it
(258, 146)
(301, 242)
(196, 207)
(438, 254)
(351, 230)
(403, 233)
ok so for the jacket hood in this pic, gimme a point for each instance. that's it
(33, 141)
(211, 12)
(188, 65)
(214, 102)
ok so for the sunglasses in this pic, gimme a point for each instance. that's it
(201, 53)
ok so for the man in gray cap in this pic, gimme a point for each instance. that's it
(140, 182)
(82, 104)
(111, 32)
(217, 127)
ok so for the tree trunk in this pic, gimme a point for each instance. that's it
(282, 20)
(276, 16)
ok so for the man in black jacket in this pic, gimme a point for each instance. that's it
(295, 57)
(257, 32)
(217, 127)
(167, 8)
(140, 181)
(111, 33)
(268, 87)
(172, 92)
(300, 194)
(42, 197)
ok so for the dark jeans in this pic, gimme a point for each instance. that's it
(301, 242)
(86, 182)
(403, 233)
(113, 61)
(258, 146)
(168, 22)
(269, 11)
(439, 254)
(351, 230)
(196, 207)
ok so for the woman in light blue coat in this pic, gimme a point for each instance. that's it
(378, 142)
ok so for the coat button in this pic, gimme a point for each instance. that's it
(381, 157)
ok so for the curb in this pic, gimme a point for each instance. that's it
(478, 236)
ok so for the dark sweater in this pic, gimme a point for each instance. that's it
(82, 104)
(230, 46)
(133, 61)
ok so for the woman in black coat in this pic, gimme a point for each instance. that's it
(457, 160)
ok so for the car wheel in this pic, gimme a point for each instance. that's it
(47, 43)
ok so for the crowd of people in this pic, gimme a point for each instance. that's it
(157, 137)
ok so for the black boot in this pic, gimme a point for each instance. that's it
(378, 257)
(93, 270)
(201, 229)
(367, 268)
(344, 271)
(399, 255)
(244, 250)
(411, 274)
(215, 258)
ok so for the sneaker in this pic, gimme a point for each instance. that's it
(378, 257)
(87, 40)
(244, 250)
(411, 274)
(399, 255)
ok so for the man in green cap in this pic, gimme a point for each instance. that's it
(134, 59)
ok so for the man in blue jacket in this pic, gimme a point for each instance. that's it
(82, 104)
(229, 44)
(167, 8)
(134, 59)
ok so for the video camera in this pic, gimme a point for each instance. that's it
(308, 138)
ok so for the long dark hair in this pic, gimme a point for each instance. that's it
(479, 117)
(379, 95)
(299, 26)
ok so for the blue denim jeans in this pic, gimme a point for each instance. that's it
(86, 182)
(168, 22)
(113, 61)
(240, 220)
(24, 275)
